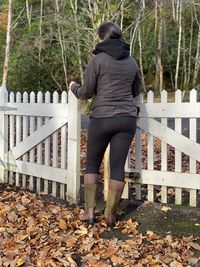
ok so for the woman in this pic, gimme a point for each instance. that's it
(113, 79)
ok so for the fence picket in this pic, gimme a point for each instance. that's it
(193, 136)
(164, 151)
(32, 151)
(39, 146)
(63, 147)
(138, 154)
(55, 148)
(47, 147)
(73, 152)
(150, 152)
(25, 134)
(18, 133)
(3, 134)
(12, 135)
(178, 154)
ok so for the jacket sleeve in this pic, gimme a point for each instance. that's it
(137, 84)
(88, 89)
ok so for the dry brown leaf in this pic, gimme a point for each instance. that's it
(194, 245)
(175, 264)
(193, 260)
(10, 245)
(165, 208)
(152, 236)
(25, 200)
(12, 217)
(81, 231)
(71, 261)
(188, 238)
(62, 224)
(109, 252)
(21, 261)
(116, 260)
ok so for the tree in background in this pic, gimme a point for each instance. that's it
(6, 20)
(52, 42)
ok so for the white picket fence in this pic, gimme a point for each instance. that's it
(40, 142)
(40, 146)
(179, 155)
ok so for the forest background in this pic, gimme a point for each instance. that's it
(52, 41)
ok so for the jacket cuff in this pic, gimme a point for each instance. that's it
(75, 88)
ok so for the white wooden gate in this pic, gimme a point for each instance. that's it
(175, 171)
(176, 151)
(40, 142)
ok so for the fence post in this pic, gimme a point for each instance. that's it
(106, 162)
(73, 162)
(3, 132)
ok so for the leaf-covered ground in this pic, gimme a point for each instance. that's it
(38, 232)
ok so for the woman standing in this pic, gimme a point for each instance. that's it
(113, 79)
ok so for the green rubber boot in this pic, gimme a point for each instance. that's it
(90, 193)
(114, 196)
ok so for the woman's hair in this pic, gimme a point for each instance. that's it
(109, 30)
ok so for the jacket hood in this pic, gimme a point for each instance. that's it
(113, 47)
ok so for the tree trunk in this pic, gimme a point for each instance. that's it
(122, 15)
(179, 44)
(159, 67)
(141, 65)
(28, 14)
(40, 30)
(63, 52)
(177, 10)
(190, 49)
(173, 10)
(7, 50)
(133, 35)
(184, 61)
(75, 13)
(156, 17)
(197, 59)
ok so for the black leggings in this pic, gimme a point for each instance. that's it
(119, 132)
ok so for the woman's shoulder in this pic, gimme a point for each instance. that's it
(100, 56)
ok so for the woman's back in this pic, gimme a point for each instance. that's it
(116, 72)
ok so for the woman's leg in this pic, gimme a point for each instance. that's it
(98, 139)
(119, 147)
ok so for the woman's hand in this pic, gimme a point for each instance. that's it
(71, 84)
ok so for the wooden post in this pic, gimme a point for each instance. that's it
(193, 136)
(63, 147)
(106, 162)
(150, 152)
(178, 153)
(3, 132)
(138, 151)
(164, 151)
(73, 161)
